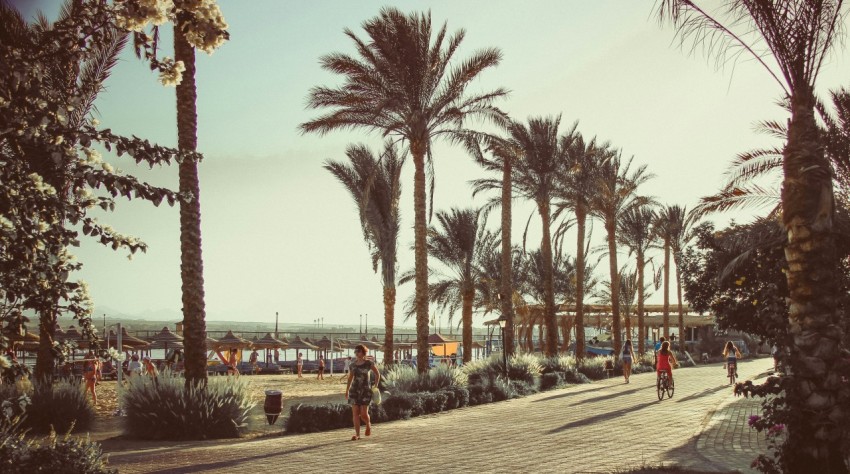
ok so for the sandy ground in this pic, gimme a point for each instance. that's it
(295, 391)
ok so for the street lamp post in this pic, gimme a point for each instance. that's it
(275, 325)
(503, 321)
(361, 324)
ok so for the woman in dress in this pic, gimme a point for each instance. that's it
(627, 357)
(359, 389)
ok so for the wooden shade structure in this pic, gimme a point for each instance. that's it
(369, 344)
(27, 342)
(166, 339)
(231, 341)
(212, 344)
(268, 342)
(72, 335)
(127, 341)
(299, 343)
(325, 344)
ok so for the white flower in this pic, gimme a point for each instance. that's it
(5, 363)
(171, 73)
(6, 223)
(93, 157)
(107, 167)
(58, 140)
(95, 122)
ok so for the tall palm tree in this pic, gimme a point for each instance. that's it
(628, 295)
(191, 259)
(677, 245)
(534, 178)
(458, 242)
(791, 40)
(635, 233)
(403, 84)
(576, 185)
(615, 194)
(667, 227)
(375, 185)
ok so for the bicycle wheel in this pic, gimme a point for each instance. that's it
(670, 390)
(731, 375)
(660, 385)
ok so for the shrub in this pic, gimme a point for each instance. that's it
(313, 418)
(65, 455)
(562, 363)
(502, 390)
(62, 406)
(575, 377)
(164, 408)
(594, 368)
(480, 394)
(522, 367)
(550, 380)
(404, 379)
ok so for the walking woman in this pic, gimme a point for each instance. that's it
(627, 357)
(299, 364)
(359, 389)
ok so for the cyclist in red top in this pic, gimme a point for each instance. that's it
(663, 361)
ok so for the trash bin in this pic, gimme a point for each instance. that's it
(273, 405)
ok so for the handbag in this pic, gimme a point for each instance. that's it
(376, 396)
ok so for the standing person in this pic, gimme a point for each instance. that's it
(134, 367)
(664, 361)
(359, 389)
(90, 374)
(231, 363)
(774, 352)
(299, 364)
(347, 365)
(321, 375)
(731, 354)
(659, 344)
(149, 368)
(254, 360)
(627, 357)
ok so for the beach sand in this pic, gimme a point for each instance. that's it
(295, 391)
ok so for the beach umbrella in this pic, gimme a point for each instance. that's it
(212, 344)
(166, 345)
(72, 335)
(268, 342)
(299, 343)
(132, 342)
(231, 341)
(165, 340)
(369, 344)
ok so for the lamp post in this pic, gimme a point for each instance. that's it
(361, 324)
(503, 321)
(275, 325)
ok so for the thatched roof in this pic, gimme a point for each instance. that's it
(166, 336)
(268, 342)
(437, 338)
(299, 343)
(231, 341)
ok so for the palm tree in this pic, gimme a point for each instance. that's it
(629, 292)
(191, 258)
(616, 194)
(458, 243)
(375, 185)
(795, 37)
(403, 85)
(635, 233)
(666, 227)
(576, 185)
(534, 176)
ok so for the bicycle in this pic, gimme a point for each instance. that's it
(732, 372)
(664, 386)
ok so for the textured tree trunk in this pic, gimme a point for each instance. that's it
(466, 314)
(418, 149)
(680, 308)
(506, 285)
(666, 311)
(814, 321)
(641, 266)
(389, 323)
(581, 222)
(565, 330)
(191, 262)
(44, 362)
(548, 282)
(615, 286)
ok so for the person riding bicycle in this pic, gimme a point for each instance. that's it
(731, 354)
(664, 361)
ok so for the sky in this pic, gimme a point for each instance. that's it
(281, 235)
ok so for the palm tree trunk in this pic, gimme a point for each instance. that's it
(191, 263)
(565, 329)
(506, 285)
(581, 221)
(641, 266)
(615, 287)
(808, 212)
(548, 282)
(418, 149)
(680, 308)
(389, 323)
(666, 312)
(466, 314)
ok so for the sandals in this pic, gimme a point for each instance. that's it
(355, 438)
(368, 431)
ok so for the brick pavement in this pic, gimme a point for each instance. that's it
(601, 427)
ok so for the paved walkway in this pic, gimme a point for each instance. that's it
(602, 427)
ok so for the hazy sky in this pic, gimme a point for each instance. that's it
(280, 234)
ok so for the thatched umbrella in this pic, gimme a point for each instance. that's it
(166, 339)
(72, 335)
(268, 342)
(232, 342)
(300, 344)
(212, 344)
(369, 344)
(131, 341)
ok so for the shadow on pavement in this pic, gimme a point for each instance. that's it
(704, 393)
(603, 416)
(592, 388)
(235, 461)
(610, 396)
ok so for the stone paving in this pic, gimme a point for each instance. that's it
(601, 427)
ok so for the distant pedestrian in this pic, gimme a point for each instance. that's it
(299, 364)
(149, 368)
(90, 374)
(347, 365)
(658, 344)
(774, 352)
(321, 375)
(627, 357)
(134, 367)
(359, 389)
